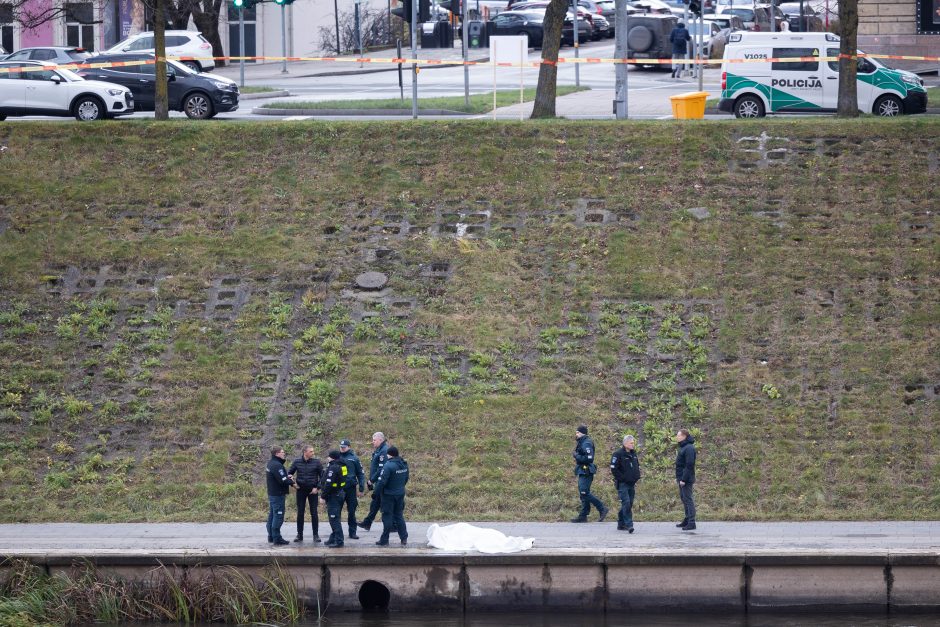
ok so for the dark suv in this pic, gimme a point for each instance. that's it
(648, 36)
(199, 96)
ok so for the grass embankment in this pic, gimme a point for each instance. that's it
(84, 595)
(257, 89)
(479, 103)
(184, 298)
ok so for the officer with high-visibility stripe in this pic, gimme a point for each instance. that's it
(333, 494)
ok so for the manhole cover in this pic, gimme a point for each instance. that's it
(371, 281)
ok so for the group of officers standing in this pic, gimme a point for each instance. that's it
(338, 484)
(341, 482)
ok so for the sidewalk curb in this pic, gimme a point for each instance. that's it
(449, 63)
(363, 112)
(280, 93)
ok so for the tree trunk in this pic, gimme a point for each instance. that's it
(206, 16)
(545, 91)
(848, 67)
(161, 107)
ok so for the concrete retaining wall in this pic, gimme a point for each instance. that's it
(592, 582)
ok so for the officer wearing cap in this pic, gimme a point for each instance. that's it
(584, 470)
(379, 457)
(333, 494)
(391, 490)
(356, 478)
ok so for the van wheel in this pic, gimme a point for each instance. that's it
(888, 106)
(748, 107)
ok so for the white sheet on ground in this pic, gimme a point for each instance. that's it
(464, 537)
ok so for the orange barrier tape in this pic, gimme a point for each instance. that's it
(458, 62)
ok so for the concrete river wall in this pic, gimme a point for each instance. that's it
(559, 580)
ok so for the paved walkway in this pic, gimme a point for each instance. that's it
(711, 538)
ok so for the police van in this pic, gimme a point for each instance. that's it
(751, 88)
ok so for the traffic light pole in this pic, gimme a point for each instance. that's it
(414, 55)
(577, 66)
(620, 32)
(284, 39)
(241, 44)
(466, 44)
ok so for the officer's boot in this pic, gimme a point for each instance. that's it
(383, 541)
(352, 533)
(685, 521)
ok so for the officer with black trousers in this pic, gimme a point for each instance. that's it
(278, 483)
(391, 490)
(357, 478)
(584, 470)
(333, 494)
(307, 472)
(685, 477)
(625, 467)
(379, 456)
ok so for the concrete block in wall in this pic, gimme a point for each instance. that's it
(861, 587)
(535, 586)
(915, 587)
(675, 587)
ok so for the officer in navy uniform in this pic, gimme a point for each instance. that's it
(278, 483)
(357, 478)
(333, 494)
(584, 470)
(379, 456)
(625, 467)
(391, 490)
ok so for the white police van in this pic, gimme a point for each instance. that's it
(754, 89)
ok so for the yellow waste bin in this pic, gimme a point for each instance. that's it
(689, 106)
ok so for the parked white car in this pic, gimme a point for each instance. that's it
(179, 43)
(59, 92)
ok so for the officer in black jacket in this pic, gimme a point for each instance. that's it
(307, 471)
(357, 478)
(279, 483)
(379, 456)
(584, 470)
(685, 477)
(391, 490)
(625, 467)
(333, 494)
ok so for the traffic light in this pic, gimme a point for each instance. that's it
(244, 4)
(404, 12)
(695, 7)
(283, 2)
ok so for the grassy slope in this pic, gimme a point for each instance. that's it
(816, 326)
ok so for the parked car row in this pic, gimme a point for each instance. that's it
(106, 92)
(179, 43)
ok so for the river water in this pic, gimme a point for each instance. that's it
(633, 618)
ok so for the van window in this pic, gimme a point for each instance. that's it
(864, 65)
(795, 66)
(144, 43)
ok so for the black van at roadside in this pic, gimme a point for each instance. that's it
(199, 96)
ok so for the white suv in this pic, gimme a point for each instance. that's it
(48, 91)
(179, 43)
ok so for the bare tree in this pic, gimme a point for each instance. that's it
(848, 64)
(206, 14)
(30, 14)
(545, 91)
(375, 30)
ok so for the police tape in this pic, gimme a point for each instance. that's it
(460, 62)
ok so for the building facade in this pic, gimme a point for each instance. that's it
(99, 24)
(905, 27)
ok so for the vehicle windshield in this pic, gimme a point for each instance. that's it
(696, 27)
(69, 75)
(179, 68)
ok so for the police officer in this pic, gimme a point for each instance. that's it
(625, 467)
(333, 494)
(306, 471)
(584, 470)
(379, 456)
(279, 483)
(391, 490)
(357, 478)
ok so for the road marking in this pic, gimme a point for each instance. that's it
(296, 118)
